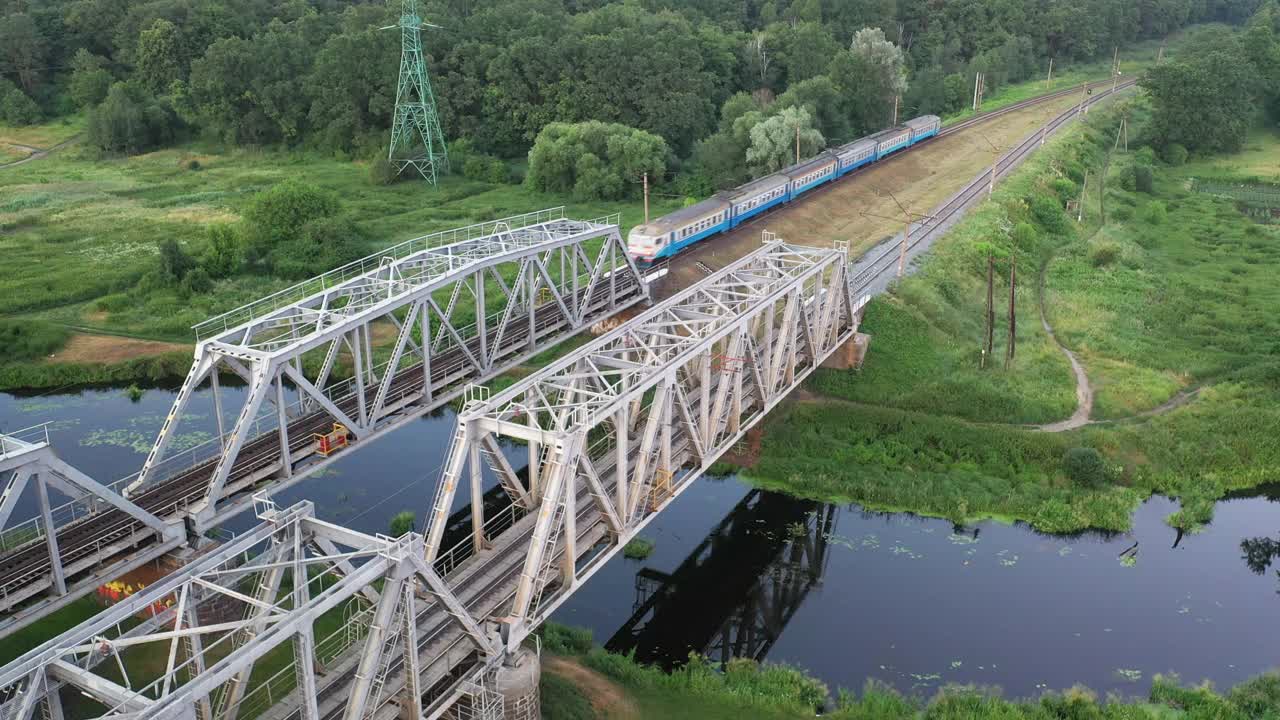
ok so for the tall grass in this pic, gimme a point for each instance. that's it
(29, 340)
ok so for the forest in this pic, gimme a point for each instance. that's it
(700, 75)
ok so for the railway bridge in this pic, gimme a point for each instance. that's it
(299, 618)
(328, 364)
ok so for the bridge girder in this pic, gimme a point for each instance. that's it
(619, 427)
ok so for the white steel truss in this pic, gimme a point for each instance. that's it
(621, 426)
(38, 567)
(233, 610)
(347, 357)
(457, 313)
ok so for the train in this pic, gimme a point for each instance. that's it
(668, 235)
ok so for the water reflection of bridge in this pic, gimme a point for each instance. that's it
(736, 592)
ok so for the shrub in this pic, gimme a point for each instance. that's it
(1258, 696)
(595, 160)
(134, 393)
(15, 107)
(402, 522)
(381, 171)
(277, 214)
(1065, 189)
(1143, 179)
(320, 245)
(1145, 156)
(638, 548)
(1175, 154)
(224, 253)
(29, 339)
(1084, 466)
(197, 281)
(566, 640)
(192, 164)
(175, 263)
(1103, 254)
(1048, 212)
(485, 169)
(1154, 213)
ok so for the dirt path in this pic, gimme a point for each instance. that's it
(86, 348)
(606, 698)
(36, 153)
(1084, 390)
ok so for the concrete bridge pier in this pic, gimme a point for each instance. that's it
(516, 680)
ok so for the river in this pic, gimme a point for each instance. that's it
(844, 593)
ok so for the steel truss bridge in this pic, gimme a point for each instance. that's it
(737, 590)
(407, 627)
(452, 308)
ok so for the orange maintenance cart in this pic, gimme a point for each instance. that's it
(331, 442)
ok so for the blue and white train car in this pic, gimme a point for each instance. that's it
(891, 140)
(811, 173)
(670, 234)
(923, 127)
(856, 154)
(757, 196)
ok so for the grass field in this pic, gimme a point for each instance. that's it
(1155, 302)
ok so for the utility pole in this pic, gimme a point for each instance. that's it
(1160, 53)
(990, 318)
(907, 217)
(797, 144)
(896, 99)
(1049, 78)
(1115, 69)
(977, 91)
(1013, 320)
(1084, 93)
(646, 198)
(995, 158)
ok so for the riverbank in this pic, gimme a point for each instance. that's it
(1166, 304)
(582, 681)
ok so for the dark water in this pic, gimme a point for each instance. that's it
(844, 593)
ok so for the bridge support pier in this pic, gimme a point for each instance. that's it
(850, 355)
(516, 680)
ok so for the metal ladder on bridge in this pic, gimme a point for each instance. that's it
(389, 655)
(542, 578)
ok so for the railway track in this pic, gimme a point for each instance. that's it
(944, 217)
(83, 538)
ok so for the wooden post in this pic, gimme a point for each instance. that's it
(646, 198)
(1084, 93)
(991, 184)
(1013, 321)
(1160, 53)
(990, 318)
(976, 77)
(896, 99)
(1049, 78)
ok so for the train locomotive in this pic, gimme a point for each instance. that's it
(666, 236)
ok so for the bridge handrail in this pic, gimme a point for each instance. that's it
(294, 293)
(13, 442)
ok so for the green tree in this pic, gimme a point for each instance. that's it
(159, 57)
(595, 160)
(23, 48)
(320, 245)
(224, 252)
(90, 80)
(821, 99)
(1203, 103)
(277, 215)
(15, 107)
(868, 76)
(773, 141)
(402, 522)
(129, 121)
(174, 261)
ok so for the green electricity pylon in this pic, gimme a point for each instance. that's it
(416, 138)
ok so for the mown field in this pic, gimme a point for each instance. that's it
(1170, 305)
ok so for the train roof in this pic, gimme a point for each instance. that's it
(856, 144)
(922, 121)
(886, 134)
(683, 216)
(813, 163)
(755, 186)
